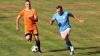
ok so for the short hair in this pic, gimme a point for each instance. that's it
(59, 6)
(27, 0)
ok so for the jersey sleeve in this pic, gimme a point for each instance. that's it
(21, 13)
(54, 17)
(70, 14)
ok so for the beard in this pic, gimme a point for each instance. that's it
(60, 13)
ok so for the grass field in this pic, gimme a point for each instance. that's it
(84, 36)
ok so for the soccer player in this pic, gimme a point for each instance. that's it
(62, 18)
(30, 19)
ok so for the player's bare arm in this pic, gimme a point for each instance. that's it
(17, 22)
(34, 18)
(51, 21)
(80, 20)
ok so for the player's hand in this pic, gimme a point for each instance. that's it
(51, 22)
(31, 17)
(81, 21)
(17, 28)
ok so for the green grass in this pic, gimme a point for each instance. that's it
(84, 36)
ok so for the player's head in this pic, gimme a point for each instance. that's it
(59, 9)
(28, 4)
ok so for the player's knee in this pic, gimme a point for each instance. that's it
(28, 37)
(65, 38)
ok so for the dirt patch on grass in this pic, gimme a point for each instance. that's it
(85, 4)
(91, 12)
(94, 50)
(9, 5)
(77, 5)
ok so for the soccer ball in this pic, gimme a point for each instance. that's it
(34, 48)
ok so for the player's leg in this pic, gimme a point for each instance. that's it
(28, 35)
(68, 42)
(69, 45)
(65, 36)
(37, 39)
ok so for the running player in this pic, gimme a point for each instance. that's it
(30, 19)
(62, 18)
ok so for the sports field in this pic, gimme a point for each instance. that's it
(84, 36)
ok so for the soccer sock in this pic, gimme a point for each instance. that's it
(38, 44)
(68, 43)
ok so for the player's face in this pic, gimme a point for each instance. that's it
(27, 5)
(59, 11)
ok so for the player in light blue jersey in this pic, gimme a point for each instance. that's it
(62, 18)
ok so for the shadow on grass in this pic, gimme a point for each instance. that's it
(3, 17)
(91, 50)
(94, 52)
(57, 50)
(82, 48)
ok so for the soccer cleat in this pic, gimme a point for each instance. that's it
(71, 50)
(40, 51)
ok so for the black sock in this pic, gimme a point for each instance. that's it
(68, 43)
(38, 44)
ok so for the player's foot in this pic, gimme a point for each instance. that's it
(40, 51)
(71, 50)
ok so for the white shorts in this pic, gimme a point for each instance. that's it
(67, 31)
